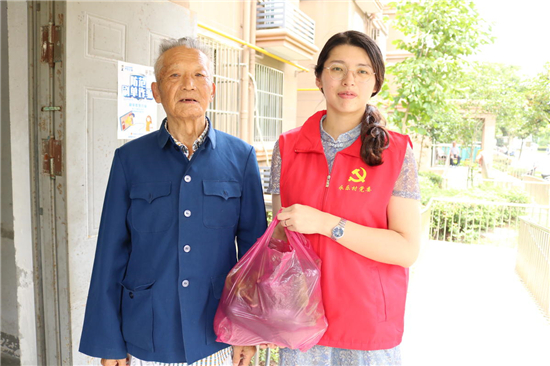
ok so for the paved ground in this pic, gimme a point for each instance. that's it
(468, 307)
(457, 177)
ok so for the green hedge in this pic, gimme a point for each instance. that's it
(434, 178)
(466, 222)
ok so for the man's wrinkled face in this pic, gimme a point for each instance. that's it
(185, 86)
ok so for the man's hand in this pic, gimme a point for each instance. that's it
(242, 355)
(121, 362)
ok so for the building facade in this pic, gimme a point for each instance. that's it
(58, 102)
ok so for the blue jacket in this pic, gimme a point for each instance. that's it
(166, 243)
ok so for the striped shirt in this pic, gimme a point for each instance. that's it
(220, 358)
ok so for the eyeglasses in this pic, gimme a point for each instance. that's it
(338, 72)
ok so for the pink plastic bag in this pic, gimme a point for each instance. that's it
(273, 295)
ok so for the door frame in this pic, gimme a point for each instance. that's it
(46, 89)
(40, 234)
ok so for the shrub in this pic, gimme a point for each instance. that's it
(435, 178)
(274, 357)
(466, 222)
(430, 186)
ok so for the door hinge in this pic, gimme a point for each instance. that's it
(51, 44)
(53, 157)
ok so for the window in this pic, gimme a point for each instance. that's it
(224, 110)
(375, 33)
(269, 104)
(370, 28)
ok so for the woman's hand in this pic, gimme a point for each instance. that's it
(307, 220)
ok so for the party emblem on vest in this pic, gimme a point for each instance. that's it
(356, 176)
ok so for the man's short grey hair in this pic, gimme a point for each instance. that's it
(189, 42)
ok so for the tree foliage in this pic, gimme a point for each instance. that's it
(492, 88)
(439, 35)
(521, 105)
(538, 103)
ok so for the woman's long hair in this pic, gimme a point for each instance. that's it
(374, 137)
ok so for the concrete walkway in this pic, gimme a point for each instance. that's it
(457, 177)
(468, 307)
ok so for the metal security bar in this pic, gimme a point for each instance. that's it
(533, 261)
(474, 222)
(224, 110)
(269, 84)
(283, 14)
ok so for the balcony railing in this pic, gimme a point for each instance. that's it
(533, 261)
(283, 14)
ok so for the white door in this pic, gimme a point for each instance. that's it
(98, 35)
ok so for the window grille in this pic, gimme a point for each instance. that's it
(371, 29)
(269, 83)
(375, 33)
(224, 110)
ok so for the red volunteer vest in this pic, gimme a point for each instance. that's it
(364, 300)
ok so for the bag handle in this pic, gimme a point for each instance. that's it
(296, 237)
(271, 227)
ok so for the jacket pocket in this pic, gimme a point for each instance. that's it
(221, 206)
(137, 316)
(381, 300)
(152, 207)
(215, 293)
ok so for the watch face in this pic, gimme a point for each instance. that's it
(338, 232)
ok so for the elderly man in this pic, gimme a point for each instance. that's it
(177, 201)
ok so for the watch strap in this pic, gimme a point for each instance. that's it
(341, 224)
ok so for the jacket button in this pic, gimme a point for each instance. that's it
(185, 283)
(187, 213)
(131, 294)
(187, 178)
(187, 248)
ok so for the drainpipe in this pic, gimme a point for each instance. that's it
(255, 118)
(244, 122)
(251, 67)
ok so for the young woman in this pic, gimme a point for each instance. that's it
(352, 186)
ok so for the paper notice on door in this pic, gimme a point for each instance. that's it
(137, 109)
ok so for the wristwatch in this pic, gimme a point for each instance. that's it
(338, 230)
